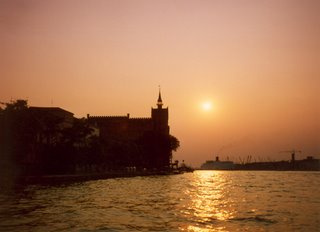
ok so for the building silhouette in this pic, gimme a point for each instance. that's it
(136, 142)
(50, 140)
(124, 127)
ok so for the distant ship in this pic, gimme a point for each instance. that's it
(308, 164)
(217, 165)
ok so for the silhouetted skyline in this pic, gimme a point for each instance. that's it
(240, 77)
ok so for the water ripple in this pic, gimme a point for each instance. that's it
(199, 201)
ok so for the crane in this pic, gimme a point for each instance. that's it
(293, 153)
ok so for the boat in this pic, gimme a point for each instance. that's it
(217, 165)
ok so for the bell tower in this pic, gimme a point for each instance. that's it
(159, 102)
(160, 117)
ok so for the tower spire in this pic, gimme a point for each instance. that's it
(159, 102)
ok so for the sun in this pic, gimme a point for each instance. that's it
(206, 106)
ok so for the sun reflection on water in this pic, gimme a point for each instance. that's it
(215, 201)
(199, 229)
(209, 204)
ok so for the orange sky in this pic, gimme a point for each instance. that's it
(258, 62)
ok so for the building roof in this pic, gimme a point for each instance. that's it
(49, 109)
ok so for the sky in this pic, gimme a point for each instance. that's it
(254, 64)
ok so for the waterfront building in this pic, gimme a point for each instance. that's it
(127, 132)
(50, 140)
(48, 123)
(132, 128)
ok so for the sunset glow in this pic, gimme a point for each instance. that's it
(206, 106)
(239, 77)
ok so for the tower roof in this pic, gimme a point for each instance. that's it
(159, 102)
(159, 98)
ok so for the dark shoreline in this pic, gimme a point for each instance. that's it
(59, 179)
(276, 170)
(70, 178)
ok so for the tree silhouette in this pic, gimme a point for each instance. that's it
(36, 141)
(157, 149)
(16, 136)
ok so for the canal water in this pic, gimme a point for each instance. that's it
(199, 201)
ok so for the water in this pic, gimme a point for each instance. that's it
(199, 201)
